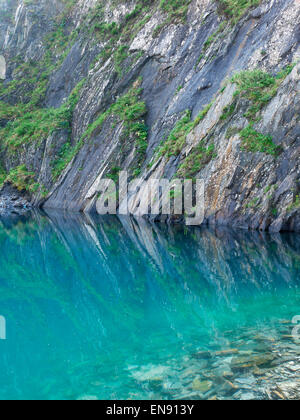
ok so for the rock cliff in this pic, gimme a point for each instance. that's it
(197, 89)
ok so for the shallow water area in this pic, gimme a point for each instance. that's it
(108, 308)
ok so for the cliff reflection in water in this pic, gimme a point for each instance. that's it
(86, 298)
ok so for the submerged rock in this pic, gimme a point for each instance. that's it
(227, 352)
(152, 373)
(249, 396)
(202, 386)
(202, 355)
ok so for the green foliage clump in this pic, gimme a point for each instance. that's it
(68, 152)
(114, 32)
(129, 110)
(10, 112)
(202, 114)
(228, 111)
(176, 9)
(285, 72)
(65, 156)
(235, 9)
(176, 13)
(257, 142)
(259, 88)
(232, 131)
(214, 36)
(31, 127)
(21, 178)
(196, 160)
(3, 175)
(253, 203)
(176, 140)
(114, 173)
(120, 56)
(106, 30)
(30, 124)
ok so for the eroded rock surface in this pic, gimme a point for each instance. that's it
(11, 201)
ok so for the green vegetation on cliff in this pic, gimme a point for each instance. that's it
(295, 204)
(177, 138)
(253, 141)
(25, 121)
(130, 111)
(235, 9)
(20, 178)
(200, 156)
(259, 88)
(176, 9)
(23, 118)
(30, 124)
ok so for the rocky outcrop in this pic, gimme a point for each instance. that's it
(12, 202)
(175, 61)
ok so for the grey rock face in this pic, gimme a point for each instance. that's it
(183, 67)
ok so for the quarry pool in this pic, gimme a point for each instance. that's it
(102, 308)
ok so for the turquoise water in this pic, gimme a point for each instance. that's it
(110, 309)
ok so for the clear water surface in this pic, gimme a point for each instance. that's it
(114, 309)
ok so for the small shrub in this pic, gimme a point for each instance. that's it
(131, 111)
(252, 141)
(64, 157)
(22, 179)
(228, 111)
(114, 173)
(196, 160)
(253, 203)
(235, 9)
(176, 9)
(35, 124)
(119, 57)
(176, 140)
(258, 87)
